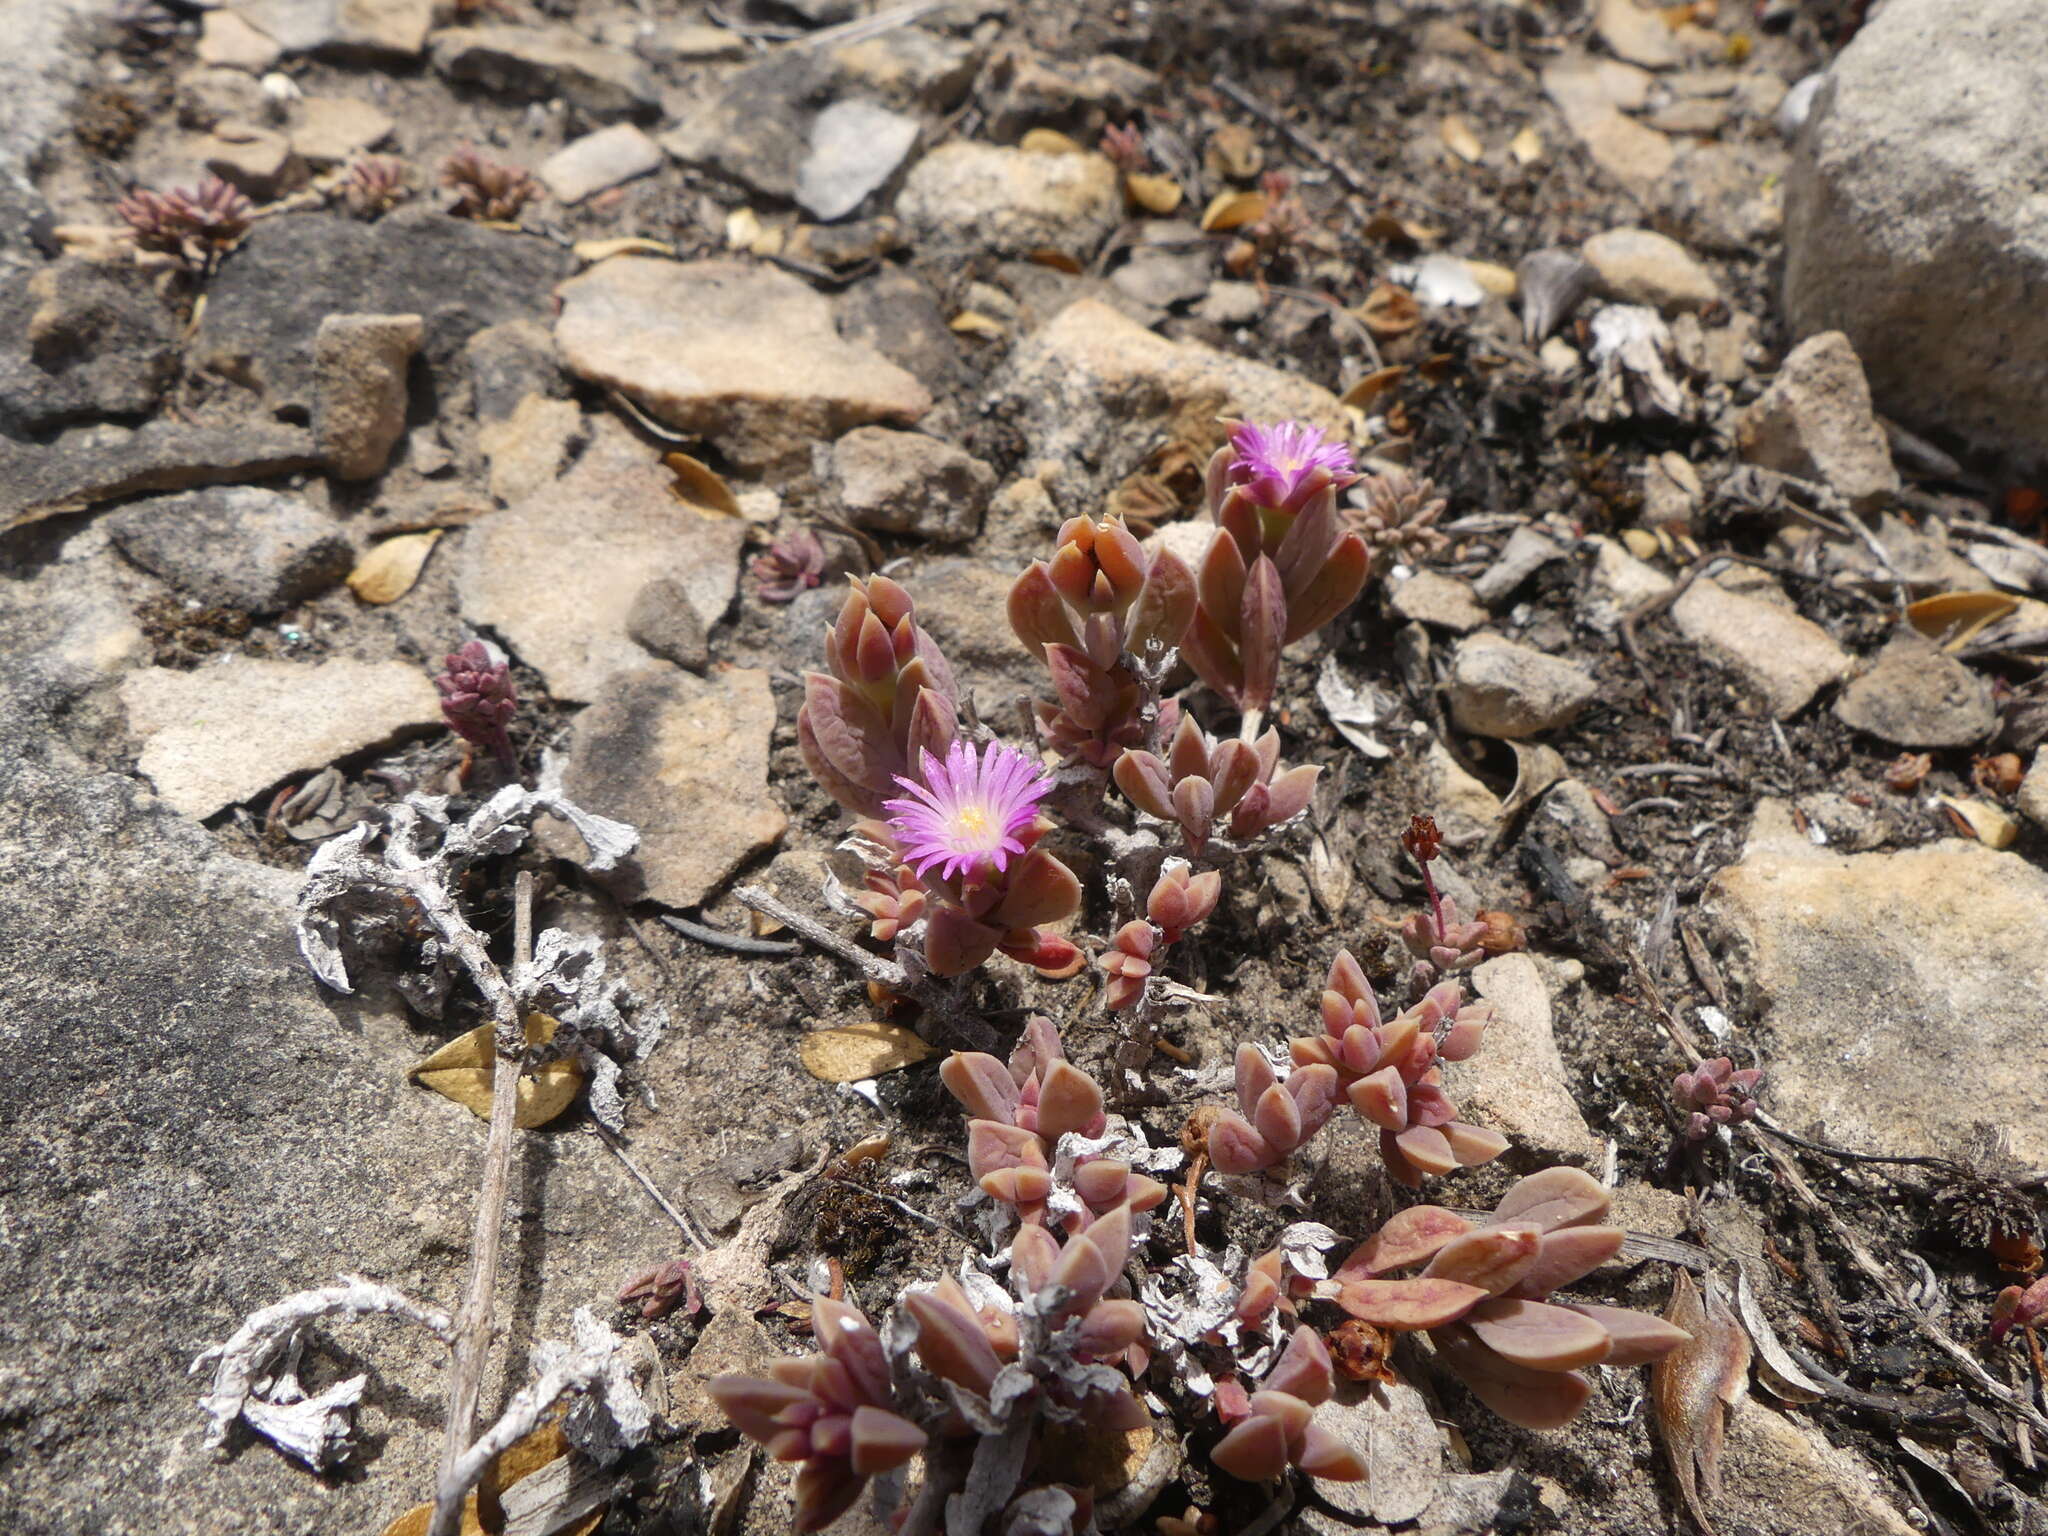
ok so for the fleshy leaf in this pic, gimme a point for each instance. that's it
(1408, 1305)
(1538, 1335)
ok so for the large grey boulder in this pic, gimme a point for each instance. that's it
(1914, 220)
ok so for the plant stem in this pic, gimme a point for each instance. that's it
(473, 1323)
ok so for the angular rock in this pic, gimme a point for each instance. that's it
(239, 546)
(509, 362)
(964, 604)
(1501, 688)
(1591, 94)
(1390, 1428)
(366, 30)
(80, 340)
(1729, 198)
(1466, 810)
(1784, 658)
(332, 130)
(1917, 695)
(359, 394)
(1914, 222)
(598, 161)
(743, 355)
(1430, 597)
(557, 574)
(269, 297)
(1033, 91)
(1528, 549)
(83, 469)
(988, 197)
(1815, 421)
(1899, 989)
(905, 482)
(1094, 389)
(1163, 279)
(224, 733)
(1637, 35)
(898, 316)
(528, 448)
(228, 41)
(254, 160)
(855, 146)
(1516, 1084)
(663, 623)
(536, 63)
(685, 760)
(206, 97)
(1640, 266)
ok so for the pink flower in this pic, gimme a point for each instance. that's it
(966, 811)
(1272, 462)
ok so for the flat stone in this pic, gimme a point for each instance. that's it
(1783, 658)
(989, 197)
(1640, 266)
(333, 130)
(685, 760)
(1163, 279)
(267, 301)
(557, 574)
(1466, 811)
(696, 42)
(599, 161)
(1815, 421)
(235, 545)
(905, 482)
(964, 605)
(366, 30)
(1637, 35)
(1587, 95)
(256, 161)
(1527, 551)
(1516, 1084)
(359, 393)
(1501, 688)
(1949, 940)
(228, 41)
(1389, 1427)
(855, 147)
(509, 362)
(1917, 695)
(663, 623)
(227, 732)
(528, 448)
(1728, 198)
(80, 340)
(743, 355)
(536, 63)
(1795, 1482)
(1430, 597)
(898, 315)
(83, 469)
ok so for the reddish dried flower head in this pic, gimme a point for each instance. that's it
(1904, 773)
(1125, 147)
(1422, 839)
(964, 814)
(478, 700)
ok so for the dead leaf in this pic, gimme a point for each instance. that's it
(1496, 279)
(1526, 147)
(420, 1518)
(744, 231)
(1059, 261)
(1154, 194)
(699, 485)
(1460, 140)
(1390, 311)
(629, 245)
(1399, 231)
(972, 322)
(389, 570)
(1537, 767)
(1984, 821)
(1693, 1387)
(1954, 618)
(1229, 210)
(861, 1051)
(1049, 141)
(462, 1069)
(1641, 543)
(482, 1513)
(1361, 395)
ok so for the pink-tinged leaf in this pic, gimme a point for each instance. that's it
(1235, 768)
(938, 669)
(1120, 555)
(1304, 1370)
(1532, 1399)
(882, 1440)
(1399, 1169)
(1038, 1047)
(1052, 956)
(1082, 1270)
(1072, 575)
(1331, 590)
(1261, 1293)
(1472, 1145)
(1314, 1051)
(873, 658)
(982, 1084)
(1026, 1188)
(1189, 752)
(1102, 1183)
(1085, 691)
(1347, 980)
(890, 601)
(1289, 794)
(951, 1343)
(933, 724)
(1538, 1335)
(1194, 806)
(1636, 1338)
(1110, 1328)
(955, 943)
(1427, 1149)
(1166, 606)
(1216, 476)
(1287, 1410)
(1142, 778)
(1492, 1258)
(1255, 1451)
(1382, 1098)
(1037, 615)
(1110, 1235)
(825, 1490)
(1033, 1254)
(1213, 655)
(832, 1435)
(1407, 1238)
(851, 1342)
(1408, 1306)
(1262, 626)
(1563, 1256)
(993, 1146)
(849, 732)
(1219, 584)
(754, 1405)
(1428, 1104)
(1316, 1095)
(1243, 522)
(1555, 1197)
(1466, 1034)
(1398, 1040)
(1234, 1147)
(1693, 1387)
(1254, 1076)
(1068, 1100)
(1040, 890)
(1248, 818)
(1305, 547)
(855, 797)
(1140, 1194)
(1324, 1455)
(1277, 1119)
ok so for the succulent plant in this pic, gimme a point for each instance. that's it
(478, 700)
(485, 188)
(1714, 1094)
(1388, 1070)
(375, 185)
(1483, 1295)
(1125, 147)
(195, 224)
(1178, 900)
(1203, 783)
(2019, 1308)
(793, 564)
(1274, 1117)
(1436, 938)
(1396, 513)
(1277, 1433)
(1280, 567)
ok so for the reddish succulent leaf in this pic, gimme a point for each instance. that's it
(1382, 1098)
(1331, 590)
(1254, 1076)
(882, 1440)
(753, 1404)
(993, 1145)
(1305, 547)
(1471, 1145)
(1220, 582)
(1563, 1256)
(1068, 1100)
(1289, 1411)
(825, 1490)
(1234, 1147)
(1532, 1399)
(1111, 1327)
(1189, 753)
(1289, 794)
(1427, 1149)
(1553, 1198)
(1408, 1306)
(1110, 1234)
(1637, 1337)
(1277, 1119)
(1492, 1258)
(951, 1343)
(1037, 615)
(855, 797)
(955, 943)
(1142, 778)
(1166, 605)
(1033, 1254)
(1408, 1237)
(982, 1084)
(1304, 1369)
(1213, 654)
(1315, 1094)
(1324, 1455)
(1538, 1335)
(1194, 807)
(1041, 890)
(1262, 628)
(1255, 1451)
(1693, 1386)
(1235, 768)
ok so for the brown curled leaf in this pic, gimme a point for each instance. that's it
(1693, 1387)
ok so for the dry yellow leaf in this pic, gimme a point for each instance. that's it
(1049, 141)
(1371, 387)
(417, 1520)
(1526, 147)
(1058, 260)
(1992, 827)
(1229, 210)
(389, 570)
(482, 1514)
(1460, 140)
(1641, 543)
(1154, 194)
(1496, 279)
(861, 1051)
(628, 245)
(972, 322)
(1954, 618)
(1389, 311)
(461, 1070)
(1399, 231)
(699, 485)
